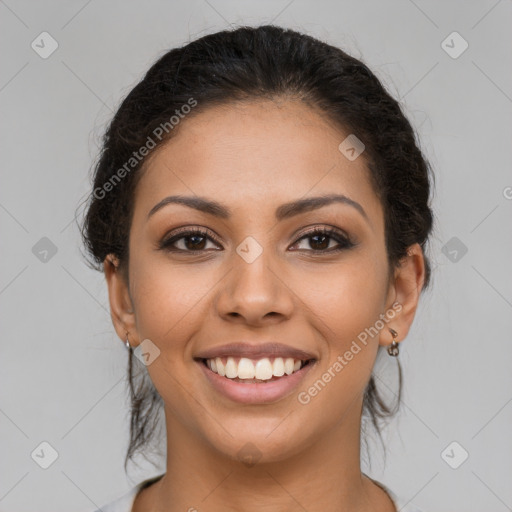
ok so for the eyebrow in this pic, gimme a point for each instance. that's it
(285, 211)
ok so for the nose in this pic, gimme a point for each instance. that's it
(256, 293)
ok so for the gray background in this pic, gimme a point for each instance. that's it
(63, 367)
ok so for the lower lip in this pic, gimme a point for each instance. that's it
(256, 393)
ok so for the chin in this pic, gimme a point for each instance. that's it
(250, 445)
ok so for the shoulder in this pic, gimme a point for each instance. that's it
(125, 502)
(121, 504)
(401, 504)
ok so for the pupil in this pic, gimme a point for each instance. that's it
(195, 245)
(322, 244)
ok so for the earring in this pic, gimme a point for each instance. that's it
(393, 348)
(127, 343)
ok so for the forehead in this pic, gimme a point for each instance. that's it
(253, 155)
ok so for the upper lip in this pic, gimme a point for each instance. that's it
(258, 351)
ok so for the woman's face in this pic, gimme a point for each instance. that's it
(257, 278)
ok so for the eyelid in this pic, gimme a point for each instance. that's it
(187, 229)
(322, 227)
(305, 232)
(343, 240)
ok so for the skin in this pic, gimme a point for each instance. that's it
(252, 158)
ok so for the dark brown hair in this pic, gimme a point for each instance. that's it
(250, 63)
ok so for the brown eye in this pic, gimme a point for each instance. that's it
(196, 240)
(191, 241)
(321, 238)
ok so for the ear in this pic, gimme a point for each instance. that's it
(121, 307)
(404, 293)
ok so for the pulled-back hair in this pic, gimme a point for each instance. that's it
(251, 63)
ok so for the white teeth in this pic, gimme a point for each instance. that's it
(288, 366)
(278, 367)
(263, 369)
(231, 369)
(246, 369)
(220, 367)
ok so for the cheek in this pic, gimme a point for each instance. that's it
(169, 303)
(337, 302)
(345, 307)
(347, 299)
(168, 300)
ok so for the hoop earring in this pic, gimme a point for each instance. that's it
(393, 348)
(127, 343)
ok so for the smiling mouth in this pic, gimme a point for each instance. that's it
(245, 370)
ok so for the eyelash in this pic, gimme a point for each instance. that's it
(342, 240)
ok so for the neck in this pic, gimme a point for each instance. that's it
(325, 475)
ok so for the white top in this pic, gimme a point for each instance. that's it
(125, 502)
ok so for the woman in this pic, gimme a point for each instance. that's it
(261, 211)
